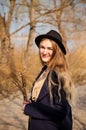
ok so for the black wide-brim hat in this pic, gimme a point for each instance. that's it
(53, 35)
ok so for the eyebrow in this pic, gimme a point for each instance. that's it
(48, 47)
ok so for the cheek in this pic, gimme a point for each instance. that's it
(51, 54)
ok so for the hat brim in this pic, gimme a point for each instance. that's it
(39, 38)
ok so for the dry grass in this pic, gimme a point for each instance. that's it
(30, 66)
(10, 73)
(77, 64)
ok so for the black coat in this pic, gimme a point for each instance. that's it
(47, 116)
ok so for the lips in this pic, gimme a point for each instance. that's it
(45, 56)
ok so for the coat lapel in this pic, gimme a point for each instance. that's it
(44, 91)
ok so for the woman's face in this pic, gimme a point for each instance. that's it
(46, 50)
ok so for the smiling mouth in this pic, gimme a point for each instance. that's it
(45, 56)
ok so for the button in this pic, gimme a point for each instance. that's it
(33, 98)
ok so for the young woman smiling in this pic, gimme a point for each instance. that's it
(49, 106)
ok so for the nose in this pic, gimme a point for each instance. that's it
(45, 51)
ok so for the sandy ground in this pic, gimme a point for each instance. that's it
(12, 117)
(11, 114)
(79, 111)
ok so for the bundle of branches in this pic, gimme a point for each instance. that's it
(19, 81)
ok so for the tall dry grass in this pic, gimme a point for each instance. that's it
(20, 72)
(77, 64)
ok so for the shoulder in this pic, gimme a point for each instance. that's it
(53, 75)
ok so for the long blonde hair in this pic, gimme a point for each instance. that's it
(59, 64)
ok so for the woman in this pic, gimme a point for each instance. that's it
(49, 106)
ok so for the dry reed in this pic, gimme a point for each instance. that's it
(77, 64)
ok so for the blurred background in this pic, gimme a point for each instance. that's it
(20, 22)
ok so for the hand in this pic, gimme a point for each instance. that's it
(25, 103)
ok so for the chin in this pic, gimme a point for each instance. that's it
(45, 61)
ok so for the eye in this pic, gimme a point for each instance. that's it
(41, 47)
(49, 48)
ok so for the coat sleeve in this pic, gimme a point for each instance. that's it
(41, 111)
(55, 111)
